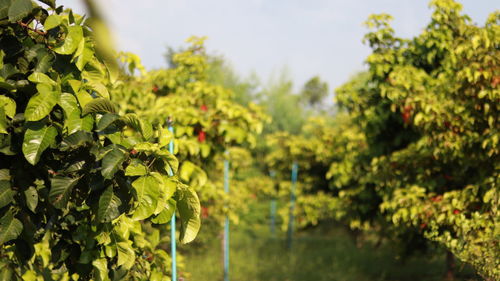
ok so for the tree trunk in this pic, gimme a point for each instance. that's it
(450, 266)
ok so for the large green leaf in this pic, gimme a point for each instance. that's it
(31, 196)
(189, 211)
(52, 21)
(71, 42)
(192, 174)
(9, 106)
(136, 168)
(38, 77)
(51, 3)
(10, 227)
(167, 213)
(108, 206)
(106, 120)
(126, 254)
(4, 12)
(3, 122)
(76, 139)
(41, 104)
(6, 193)
(148, 192)
(36, 139)
(85, 123)
(170, 160)
(167, 189)
(111, 162)
(5, 174)
(141, 126)
(60, 191)
(19, 9)
(99, 105)
(74, 122)
(101, 269)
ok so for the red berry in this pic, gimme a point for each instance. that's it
(155, 89)
(202, 136)
(133, 152)
(456, 212)
(406, 117)
(437, 198)
(204, 108)
(204, 212)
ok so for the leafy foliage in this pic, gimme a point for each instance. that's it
(415, 153)
(81, 184)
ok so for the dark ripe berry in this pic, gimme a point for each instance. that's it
(406, 117)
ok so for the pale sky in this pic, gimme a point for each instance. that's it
(313, 37)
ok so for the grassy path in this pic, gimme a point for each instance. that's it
(316, 255)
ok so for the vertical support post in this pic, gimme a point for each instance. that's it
(272, 208)
(295, 169)
(173, 245)
(226, 224)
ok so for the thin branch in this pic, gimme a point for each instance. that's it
(25, 25)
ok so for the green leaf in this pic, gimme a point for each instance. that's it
(111, 162)
(192, 174)
(189, 211)
(37, 77)
(165, 136)
(108, 206)
(4, 12)
(99, 105)
(126, 254)
(4, 174)
(44, 62)
(9, 106)
(60, 190)
(167, 213)
(3, 121)
(10, 227)
(31, 198)
(100, 269)
(41, 104)
(75, 124)
(51, 3)
(52, 21)
(106, 120)
(76, 139)
(70, 43)
(170, 160)
(136, 168)
(139, 125)
(36, 139)
(19, 9)
(167, 189)
(6, 193)
(147, 191)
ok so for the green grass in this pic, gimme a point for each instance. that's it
(319, 254)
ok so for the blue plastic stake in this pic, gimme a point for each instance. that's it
(272, 208)
(226, 224)
(173, 245)
(273, 219)
(295, 169)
